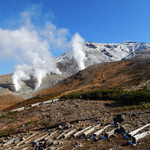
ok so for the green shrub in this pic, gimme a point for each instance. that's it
(122, 97)
(4, 133)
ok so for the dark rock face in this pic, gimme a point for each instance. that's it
(90, 45)
(119, 119)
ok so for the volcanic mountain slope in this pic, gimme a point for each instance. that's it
(100, 52)
(129, 74)
(106, 75)
(95, 53)
(9, 97)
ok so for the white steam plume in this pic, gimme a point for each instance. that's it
(78, 53)
(29, 47)
(31, 50)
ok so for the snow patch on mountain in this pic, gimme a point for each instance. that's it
(99, 53)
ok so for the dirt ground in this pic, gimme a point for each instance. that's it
(76, 114)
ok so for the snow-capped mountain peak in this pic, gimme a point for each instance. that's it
(99, 53)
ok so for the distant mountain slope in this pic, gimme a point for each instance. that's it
(131, 74)
(128, 74)
(99, 53)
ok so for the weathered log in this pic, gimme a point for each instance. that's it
(55, 100)
(36, 104)
(49, 101)
(81, 131)
(42, 137)
(18, 109)
(86, 133)
(50, 135)
(67, 135)
(137, 137)
(97, 133)
(8, 142)
(61, 135)
(116, 130)
(110, 133)
(25, 140)
(132, 133)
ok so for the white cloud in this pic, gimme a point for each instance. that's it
(57, 37)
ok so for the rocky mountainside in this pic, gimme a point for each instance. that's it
(101, 52)
(9, 97)
(131, 74)
(110, 74)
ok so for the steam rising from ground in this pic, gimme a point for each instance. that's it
(33, 52)
(78, 44)
(30, 47)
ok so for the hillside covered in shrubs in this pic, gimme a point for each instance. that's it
(121, 97)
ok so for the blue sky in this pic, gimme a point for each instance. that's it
(105, 21)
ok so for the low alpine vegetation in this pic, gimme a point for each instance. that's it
(121, 97)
